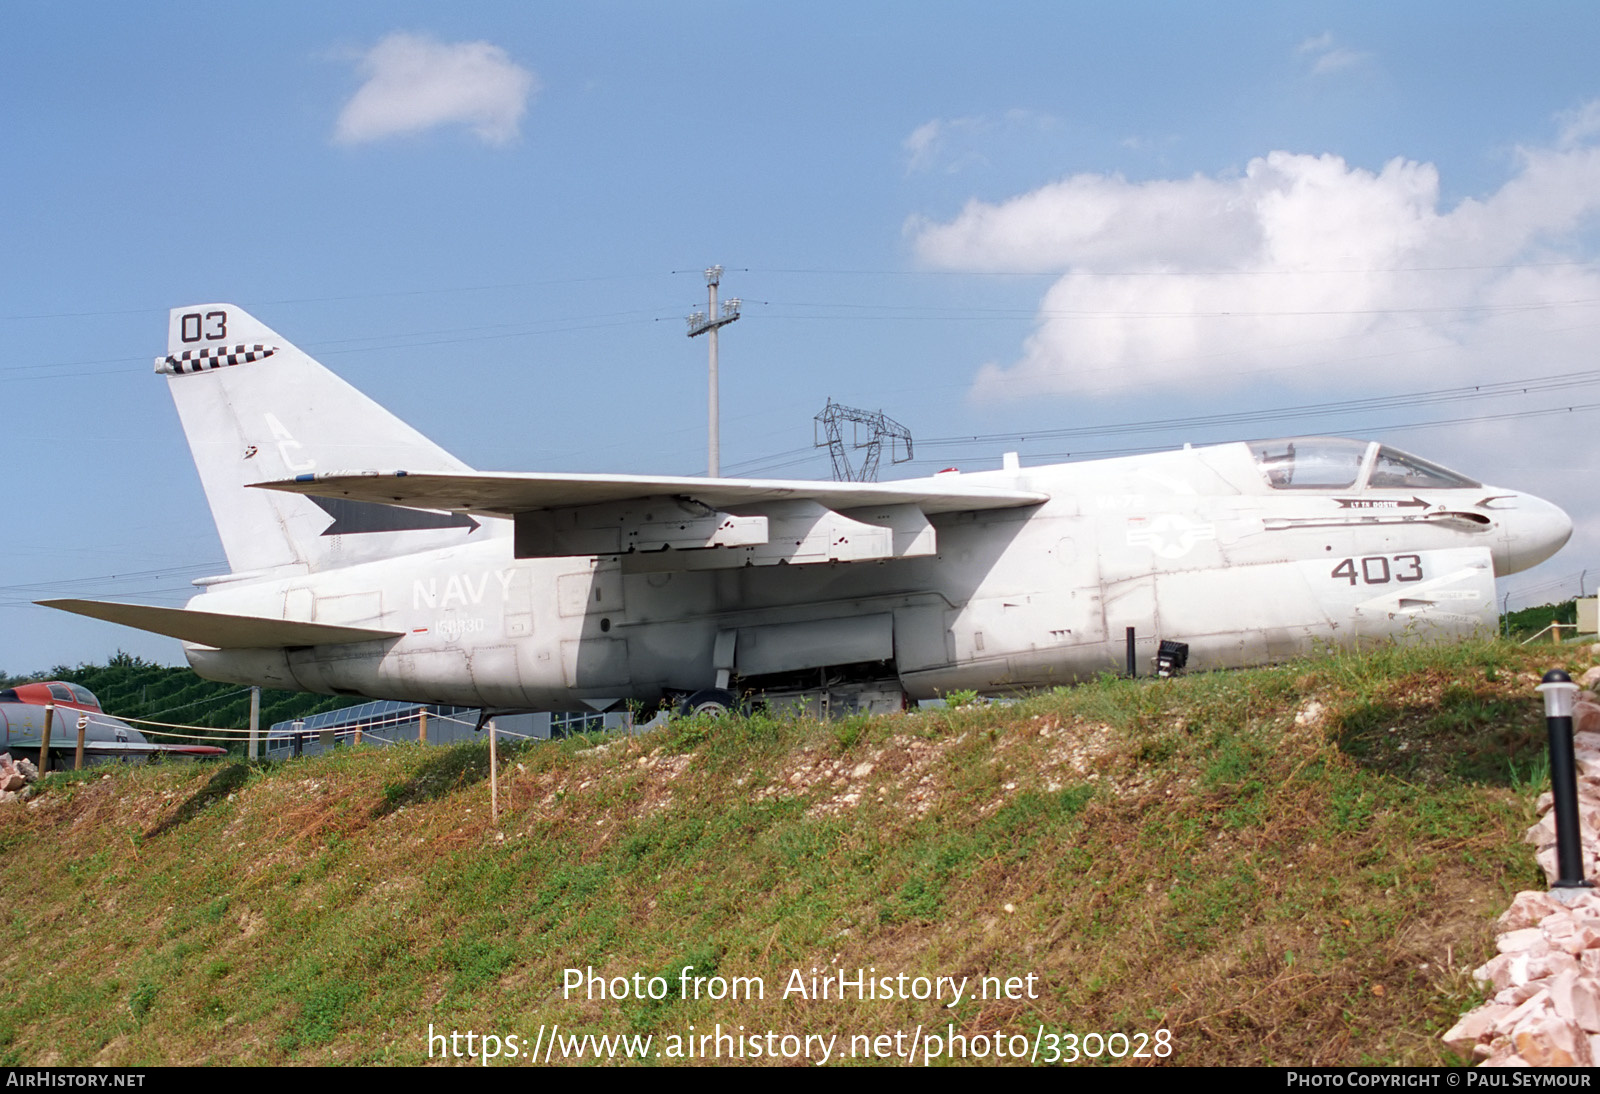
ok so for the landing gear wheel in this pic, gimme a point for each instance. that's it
(712, 702)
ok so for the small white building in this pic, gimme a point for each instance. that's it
(1589, 615)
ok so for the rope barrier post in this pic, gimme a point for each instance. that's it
(255, 724)
(494, 776)
(358, 735)
(77, 757)
(1560, 693)
(44, 741)
(422, 726)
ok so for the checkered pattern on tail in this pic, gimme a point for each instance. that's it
(199, 360)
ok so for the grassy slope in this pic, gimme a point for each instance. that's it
(1180, 854)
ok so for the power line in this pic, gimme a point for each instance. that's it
(198, 702)
(1059, 271)
(343, 298)
(1357, 432)
(1502, 389)
(132, 575)
(934, 311)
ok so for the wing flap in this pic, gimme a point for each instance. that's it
(220, 630)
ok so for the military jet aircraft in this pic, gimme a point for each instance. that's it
(22, 716)
(365, 560)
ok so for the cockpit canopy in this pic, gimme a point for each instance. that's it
(55, 691)
(1337, 463)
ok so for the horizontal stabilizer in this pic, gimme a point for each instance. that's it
(506, 494)
(219, 630)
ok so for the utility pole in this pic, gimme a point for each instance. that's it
(701, 323)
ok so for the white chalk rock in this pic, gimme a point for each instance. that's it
(1527, 909)
(1475, 1026)
(1536, 1008)
(1514, 995)
(1543, 832)
(1546, 858)
(1553, 1043)
(1584, 937)
(1577, 999)
(1585, 718)
(1544, 966)
(1496, 971)
(1529, 940)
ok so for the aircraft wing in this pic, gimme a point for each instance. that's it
(67, 743)
(666, 523)
(507, 493)
(218, 629)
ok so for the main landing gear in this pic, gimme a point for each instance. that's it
(712, 702)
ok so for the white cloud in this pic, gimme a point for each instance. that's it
(1302, 269)
(1327, 56)
(923, 145)
(1336, 60)
(1317, 43)
(954, 144)
(1581, 124)
(415, 83)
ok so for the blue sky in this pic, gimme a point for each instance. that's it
(981, 219)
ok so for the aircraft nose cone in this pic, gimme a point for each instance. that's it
(1535, 531)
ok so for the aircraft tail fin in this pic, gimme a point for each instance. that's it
(255, 408)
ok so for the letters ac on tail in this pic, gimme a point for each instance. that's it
(366, 560)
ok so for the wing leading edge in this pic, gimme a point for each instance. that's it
(506, 494)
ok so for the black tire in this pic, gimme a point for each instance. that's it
(712, 702)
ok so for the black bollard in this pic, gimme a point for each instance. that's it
(1133, 663)
(1559, 692)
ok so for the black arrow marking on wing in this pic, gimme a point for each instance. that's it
(359, 517)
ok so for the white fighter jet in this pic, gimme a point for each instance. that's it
(368, 561)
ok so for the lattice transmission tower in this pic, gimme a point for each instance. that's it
(876, 427)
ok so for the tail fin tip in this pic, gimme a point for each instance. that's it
(202, 337)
